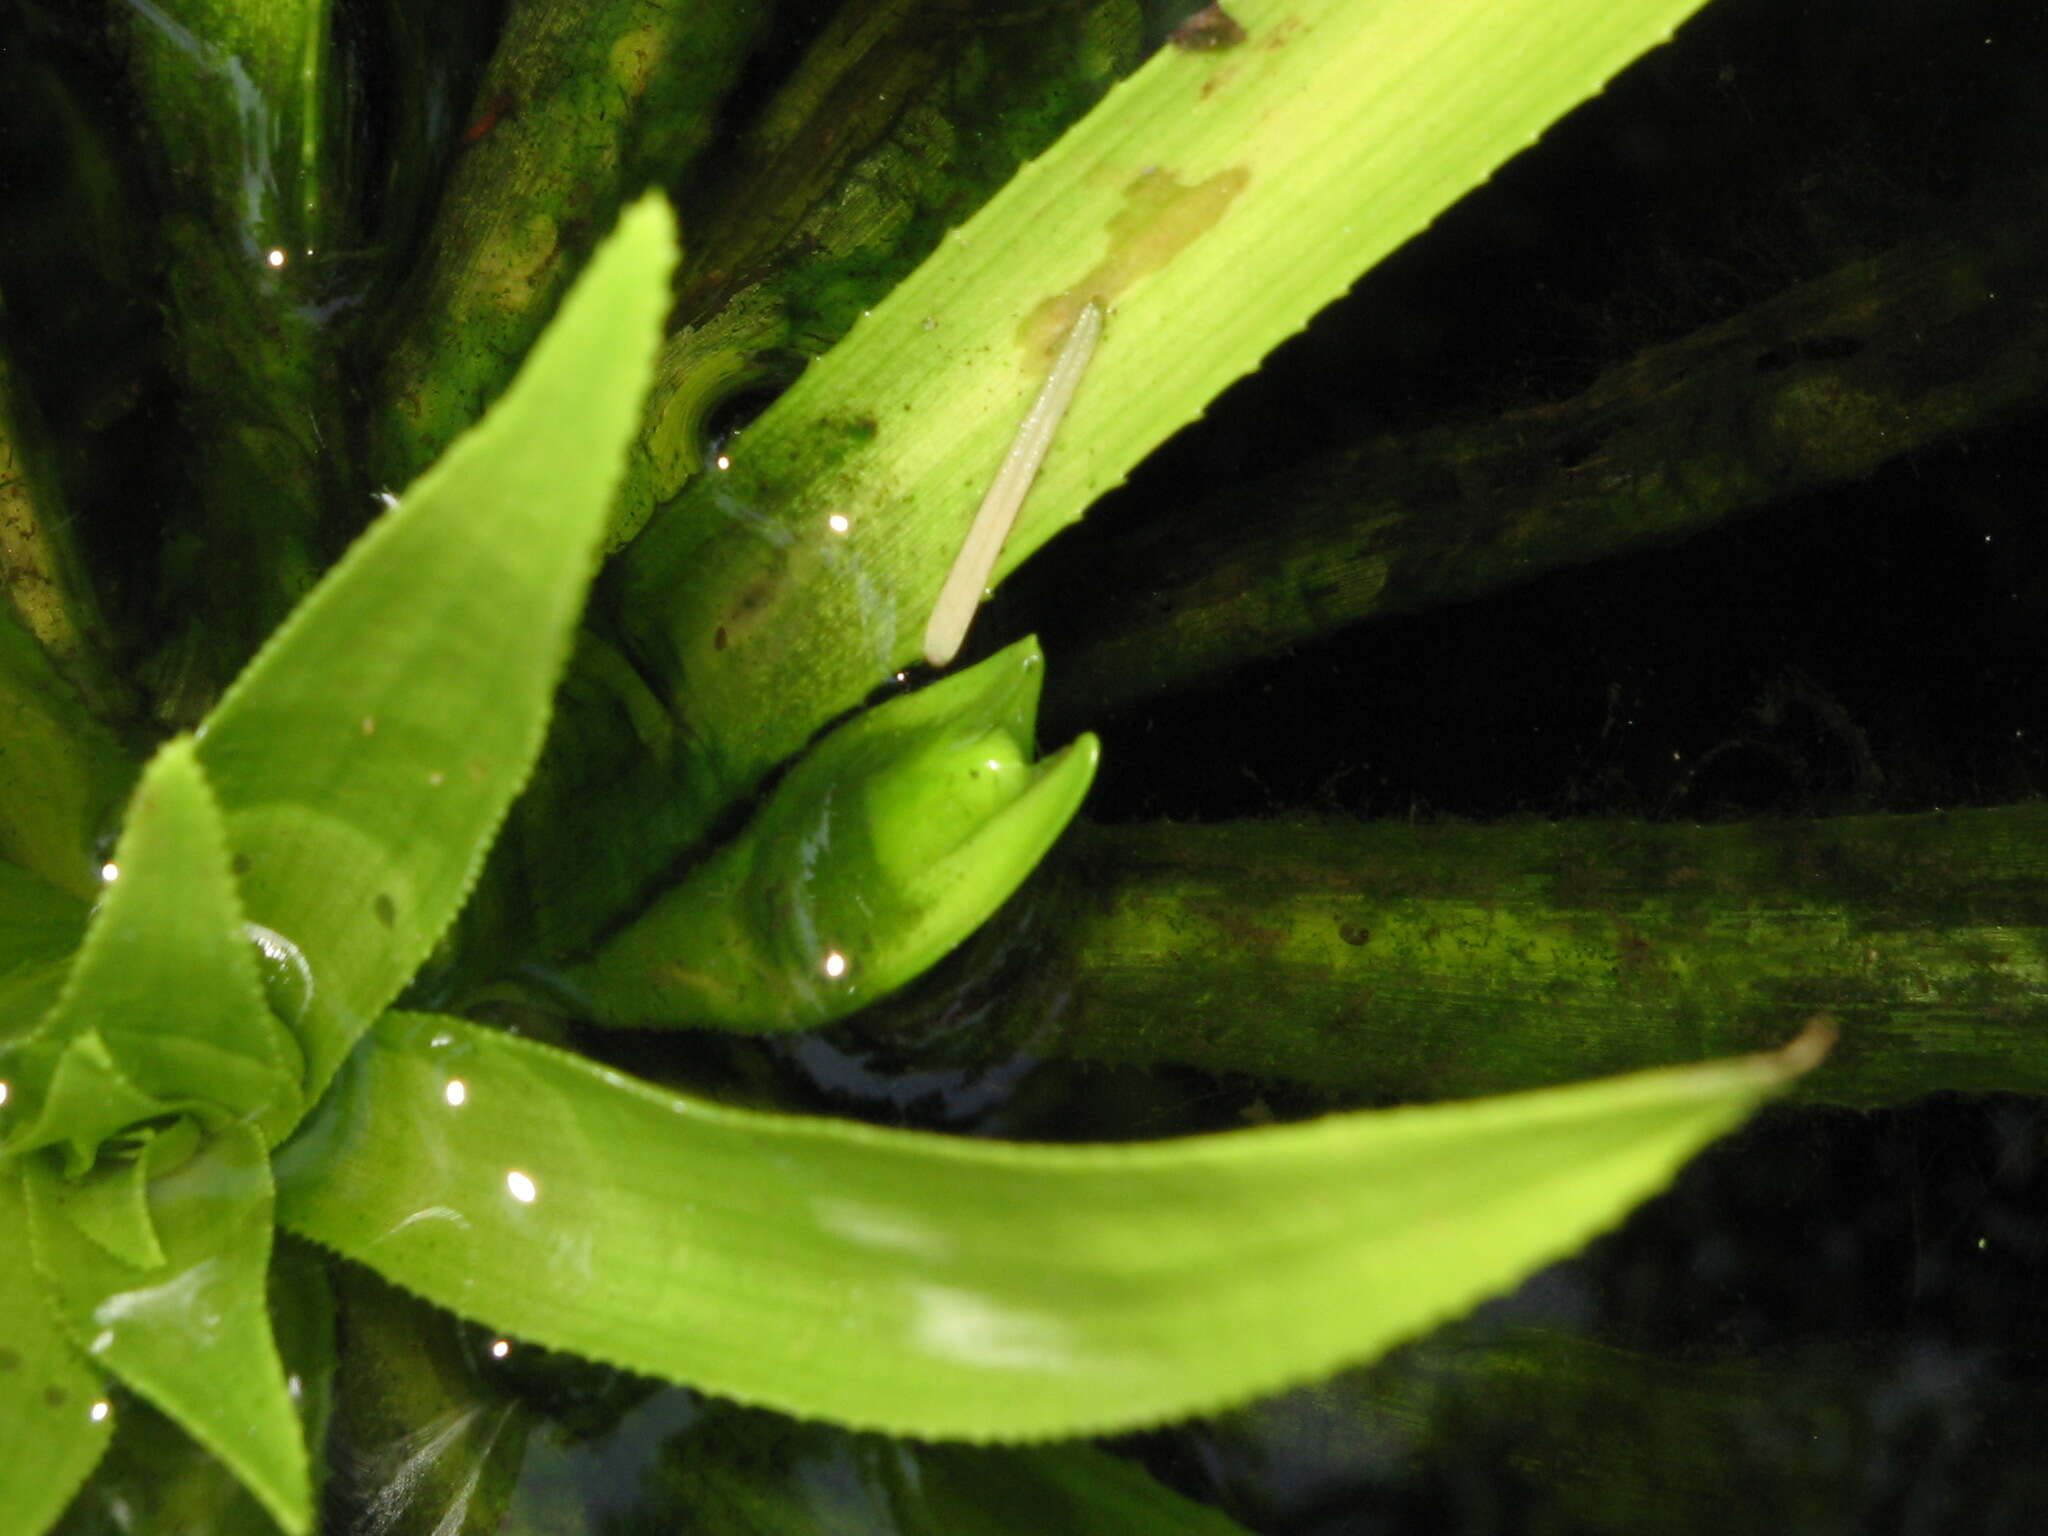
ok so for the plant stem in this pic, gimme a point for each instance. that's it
(1384, 961)
(240, 99)
(581, 106)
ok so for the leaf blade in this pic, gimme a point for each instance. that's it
(1212, 202)
(934, 1286)
(366, 757)
(161, 1012)
(47, 1390)
(194, 1335)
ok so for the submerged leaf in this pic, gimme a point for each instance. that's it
(367, 756)
(739, 1470)
(893, 840)
(943, 1287)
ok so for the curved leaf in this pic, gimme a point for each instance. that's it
(192, 1335)
(1212, 203)
(366, 757)
(943, 1287)
(895, 838)
(162, 1012)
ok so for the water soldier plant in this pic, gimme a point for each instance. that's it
(254, 1014)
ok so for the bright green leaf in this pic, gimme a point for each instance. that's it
(1213, 202)
(109, 1203)
(54, 1432)
(367, 756)
(946, 1287)
(192, 1336)
(894, 839)
(154, 1483)
(162, 1012)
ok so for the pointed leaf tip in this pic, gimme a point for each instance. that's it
(366, 759)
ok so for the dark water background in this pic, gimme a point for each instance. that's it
(1841, 1313)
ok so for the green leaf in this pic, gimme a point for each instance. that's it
(890, 842)
(936, 1286)
(1212, 203)
(152, 1483)
(366, 757)
(162, 1012)
(736, 1470)
(435, 1434)
(109, 1202)
(54, 1432)
(193, 1336)
(40, 929)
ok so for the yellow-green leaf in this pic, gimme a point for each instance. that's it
(946, 1287)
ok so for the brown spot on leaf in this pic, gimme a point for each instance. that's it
(1206, 31)
(1161, 217)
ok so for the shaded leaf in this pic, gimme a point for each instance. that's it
(152, 1481)
(739, 1472)
(935, 1286)
(61, 773)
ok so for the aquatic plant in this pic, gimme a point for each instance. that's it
(209, 1033)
